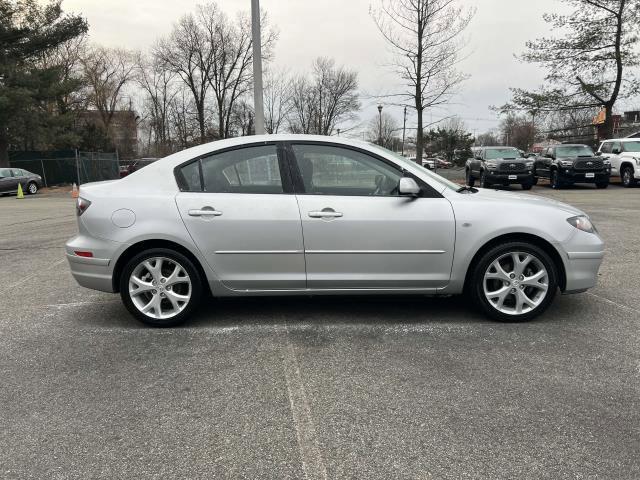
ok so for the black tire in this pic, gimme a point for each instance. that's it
(627, 177)
(469, 178)
(602, 185)
(527, 186)
(185, 263)
(534, 181)
(483, 180)
(554, 180)
(475, 286)
(32, 188)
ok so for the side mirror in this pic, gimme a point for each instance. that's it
(615, 151)
(408, 186)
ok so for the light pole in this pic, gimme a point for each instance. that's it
(404, 128)
(257, 66)
(380, 127)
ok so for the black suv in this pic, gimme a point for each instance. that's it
(499, 165)
(565, 165)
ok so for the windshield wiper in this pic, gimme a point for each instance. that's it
(467, 188)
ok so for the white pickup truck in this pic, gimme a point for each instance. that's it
(624, 155)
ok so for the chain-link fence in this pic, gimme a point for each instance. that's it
(68, 166)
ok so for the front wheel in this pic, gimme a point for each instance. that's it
(514, 282)
(527, 186)
(32, 188)
(160, 287)
(483, 180)
(555, 182)
(470, 180)
(627, 177)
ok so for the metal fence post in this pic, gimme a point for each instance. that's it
(44, 175)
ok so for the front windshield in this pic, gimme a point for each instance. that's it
(506, 153)
(631, 146)
(574, 151)
(405, 161)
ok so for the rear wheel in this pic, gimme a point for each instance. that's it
(514, 282)
(602, 185)
(534, 181)
(160, 287)
(527, 186)
(627, 177)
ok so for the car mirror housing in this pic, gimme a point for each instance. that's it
(615, 151)
(408, 186)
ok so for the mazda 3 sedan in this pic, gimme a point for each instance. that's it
(307, 215)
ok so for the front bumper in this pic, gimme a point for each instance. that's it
(582, 256)
(92, 272)
(580, 176)
(507, 178)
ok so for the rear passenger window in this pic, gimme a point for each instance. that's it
(245, 170)
(190, 181)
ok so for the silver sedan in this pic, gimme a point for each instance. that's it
(307, 215)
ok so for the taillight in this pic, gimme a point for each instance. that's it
(81, 205)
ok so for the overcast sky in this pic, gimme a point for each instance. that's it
(344, 30)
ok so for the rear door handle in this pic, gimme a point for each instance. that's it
(205, 212)
(325, 213)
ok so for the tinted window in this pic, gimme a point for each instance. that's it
(190, 180)
(17, 172)
(245, 170)
(631, 146)
(328, 170)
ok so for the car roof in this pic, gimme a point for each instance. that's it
(623, 140)
(497, 146)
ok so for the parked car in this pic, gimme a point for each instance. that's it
(499, 165)
(565, 165)
(11, 177)
(624, 156)
(228, 217)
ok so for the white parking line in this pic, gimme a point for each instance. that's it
(29, 277)
(619, 305)
(312, 461)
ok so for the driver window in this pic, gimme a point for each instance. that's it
(328, 170)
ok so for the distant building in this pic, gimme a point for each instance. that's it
(123, 129)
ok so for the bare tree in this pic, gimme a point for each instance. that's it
(325, 100)
(231, 46)
(159, 89)
(107, 71)
(425, 38)
(278, 92)
(388, 133)
(187, 52)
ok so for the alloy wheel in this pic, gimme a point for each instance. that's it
(33, 188)
(516, 283)
(159, 287)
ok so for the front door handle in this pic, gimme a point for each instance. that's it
(325, 213)
(205, 212)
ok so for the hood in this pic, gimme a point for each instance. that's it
(500, 196)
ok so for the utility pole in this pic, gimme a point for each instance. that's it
(257, 67)
(404, 129)
(380, 127)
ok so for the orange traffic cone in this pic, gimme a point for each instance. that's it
(74, 191)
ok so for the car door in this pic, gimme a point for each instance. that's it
(545, 163)
(359, 233)
(241, 213)
(8, 183)
(19, 177)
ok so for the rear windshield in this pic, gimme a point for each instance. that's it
(507, 153)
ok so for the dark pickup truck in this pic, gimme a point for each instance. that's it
(565, 165)
(499, 166)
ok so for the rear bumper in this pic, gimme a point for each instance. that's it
(94, 272)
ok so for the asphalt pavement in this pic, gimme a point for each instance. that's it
(316, 388)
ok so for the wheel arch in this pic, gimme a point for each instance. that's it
(520, 237)
(142, 245)
(624, 164)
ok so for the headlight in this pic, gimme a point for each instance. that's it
(529, 164)
(608, 162)
(492, 165)
(582, 222)
(566, 163)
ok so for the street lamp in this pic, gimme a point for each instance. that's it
(404, 128)
(257, 67)
(380, 127)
